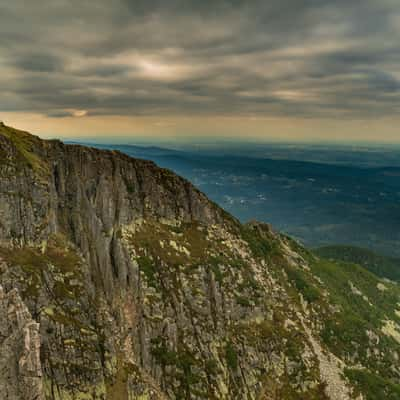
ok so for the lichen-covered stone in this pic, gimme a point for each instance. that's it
(20, 367)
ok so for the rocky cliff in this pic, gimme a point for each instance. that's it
(136, 286)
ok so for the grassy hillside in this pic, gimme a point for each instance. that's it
(357, 315)
(382, 266)
(365, 308)
(24, 148)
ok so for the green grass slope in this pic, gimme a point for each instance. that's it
(382, 266)
(357, 316)
(24, 149)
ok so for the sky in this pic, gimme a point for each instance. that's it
(310, 70)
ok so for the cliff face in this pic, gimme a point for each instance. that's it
(144, 289)
(88, 195)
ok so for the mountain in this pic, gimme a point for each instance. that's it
(120, 280)
(319, 203)
(382, 266)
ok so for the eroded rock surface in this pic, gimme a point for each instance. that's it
(20, 367)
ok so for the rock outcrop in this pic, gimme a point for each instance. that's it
(20, 368)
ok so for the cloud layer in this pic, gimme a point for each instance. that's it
(307, 58)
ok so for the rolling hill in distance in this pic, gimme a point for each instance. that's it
(382, 266)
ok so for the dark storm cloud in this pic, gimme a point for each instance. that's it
(310, 58)
(39, 62)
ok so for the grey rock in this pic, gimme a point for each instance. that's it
(20, 367)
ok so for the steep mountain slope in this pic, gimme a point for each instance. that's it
(382, 266)
(339, 203)
(144, 289)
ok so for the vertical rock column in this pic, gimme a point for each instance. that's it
(20, 368)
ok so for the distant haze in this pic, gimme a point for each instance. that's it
(182, 70)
